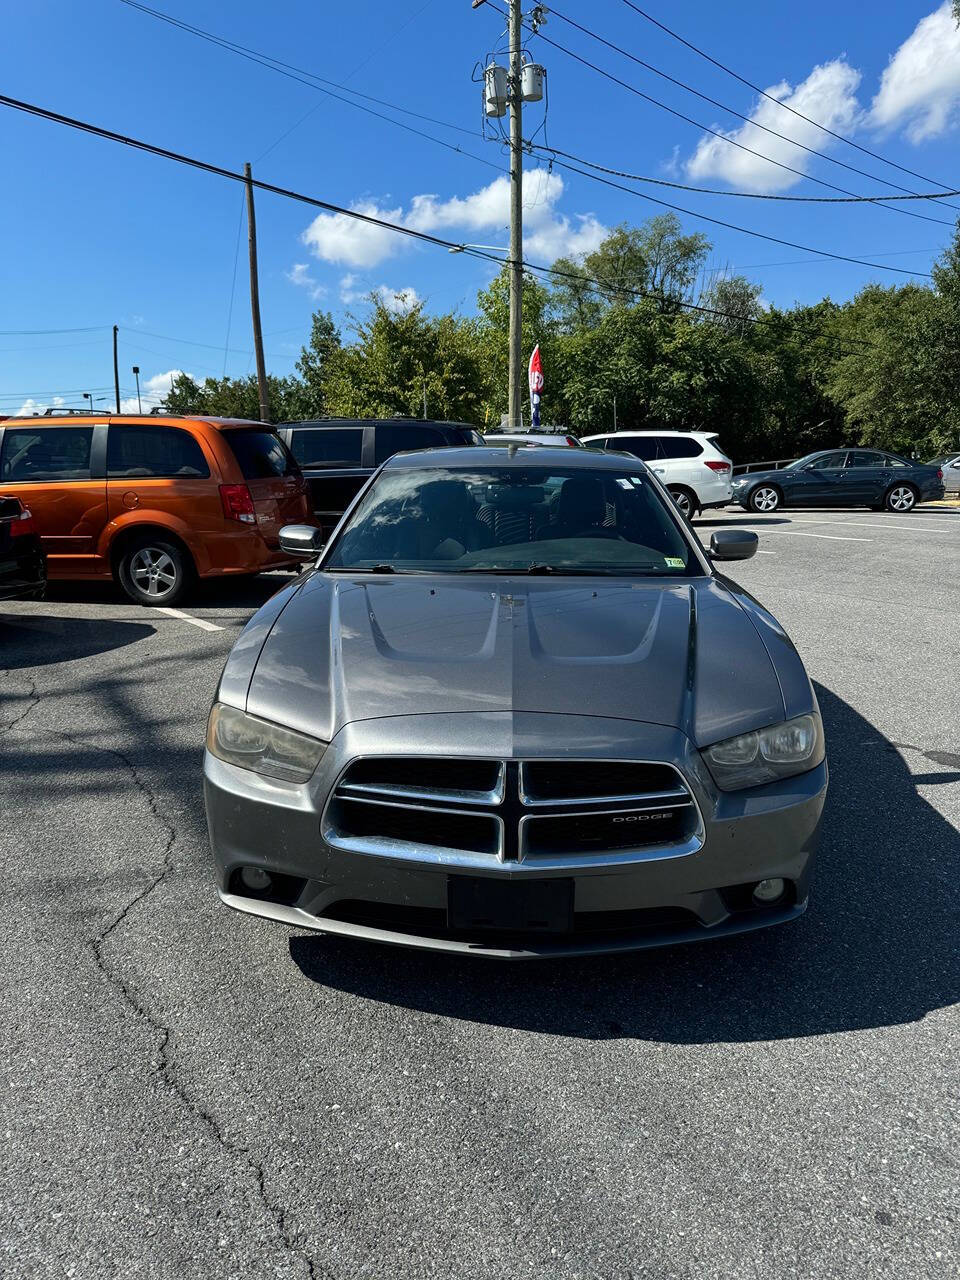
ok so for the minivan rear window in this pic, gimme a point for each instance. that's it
(262, 455)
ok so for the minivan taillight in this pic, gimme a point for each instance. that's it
(238, 503)
(719, 466)
(23, 524)
(572, 441)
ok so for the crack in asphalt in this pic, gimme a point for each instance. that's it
(33, 698)
(166, 1068)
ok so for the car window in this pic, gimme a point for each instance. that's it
(864, 458)
(139, 451)
(644, 447)
(892, 460)
(530, 519)
(390, 438)
(328, 446)
(827, 462)
(45, 453)
(262, 455)
(602, 442)
(679, 447)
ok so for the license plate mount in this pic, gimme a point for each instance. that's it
(521, 906)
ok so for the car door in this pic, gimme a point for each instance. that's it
(819, 483)
(154, 468)
(58, 472)
(336, 461)
(865, 478)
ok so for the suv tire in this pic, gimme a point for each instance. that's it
(154, 571)
(686, 500)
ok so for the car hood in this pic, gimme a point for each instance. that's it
(687, 654)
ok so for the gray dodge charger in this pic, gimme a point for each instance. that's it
(513, 710)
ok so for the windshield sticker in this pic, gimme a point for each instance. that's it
(624, 484)
(673, 562)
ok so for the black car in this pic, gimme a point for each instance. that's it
(841, 478)
(338, 455)
(23, 573)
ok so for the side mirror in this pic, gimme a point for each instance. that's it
(301, 540)
(733, 544)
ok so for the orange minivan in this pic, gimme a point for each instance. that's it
(154, 502)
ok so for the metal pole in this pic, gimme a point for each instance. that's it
(136, 374)
(255, 300)
(116, 370)
(515, 395)
(614, 413)
(424, 399)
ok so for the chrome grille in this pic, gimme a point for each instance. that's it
(543, 813)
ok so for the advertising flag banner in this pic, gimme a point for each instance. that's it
(535, 375)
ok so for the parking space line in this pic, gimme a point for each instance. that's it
(912, 527)
(186, 617)
(829, 537)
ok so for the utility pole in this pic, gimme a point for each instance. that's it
(515, 395)
(116, 369)
(255, 299)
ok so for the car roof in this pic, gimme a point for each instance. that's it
(435, 423)
(485, 456)
(616, 435)
(151, 419)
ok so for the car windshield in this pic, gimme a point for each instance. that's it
(536, 520)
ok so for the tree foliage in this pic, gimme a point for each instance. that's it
(613, 327)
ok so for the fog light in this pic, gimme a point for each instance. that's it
(257, 880)
(770, 890)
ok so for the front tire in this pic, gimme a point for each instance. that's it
(153, 571)
(901, 498)
(765, 498)
(685, 500)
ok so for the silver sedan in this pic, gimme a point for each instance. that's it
(513, 710)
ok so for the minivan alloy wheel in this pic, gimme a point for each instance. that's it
(765, 499)
(153, 571)
(901, 498)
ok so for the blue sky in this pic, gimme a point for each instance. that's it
(96, 235)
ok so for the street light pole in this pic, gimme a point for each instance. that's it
(136, 373)
(515, 392)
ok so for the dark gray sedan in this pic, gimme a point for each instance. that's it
(841, 478)
(512, 710)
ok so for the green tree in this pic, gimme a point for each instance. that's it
(492, 334)
(235, 397)
(400, 356)
(316, 361)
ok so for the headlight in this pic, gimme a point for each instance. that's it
(750, 759)
(252, 743)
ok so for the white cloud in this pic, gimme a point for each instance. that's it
(920, 87)
(335, 237)
(397, 300)
(152, 391)
(31, 406)
(547, 233)
(299, 274)
(828, 95)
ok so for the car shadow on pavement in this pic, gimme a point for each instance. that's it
(33, 640)
(878, 946)
(247, 592)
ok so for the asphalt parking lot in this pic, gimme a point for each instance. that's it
(187, 1092)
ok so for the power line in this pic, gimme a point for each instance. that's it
(723, 107)
(743, 195)
(786, 107)
(410, 232)
(732, 226)
(697, 124)
(19, 333)
(300, 75)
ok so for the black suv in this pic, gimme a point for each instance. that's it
(337, 455)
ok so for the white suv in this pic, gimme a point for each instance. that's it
(689, 463)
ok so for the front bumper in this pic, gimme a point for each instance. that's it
(661, 896)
